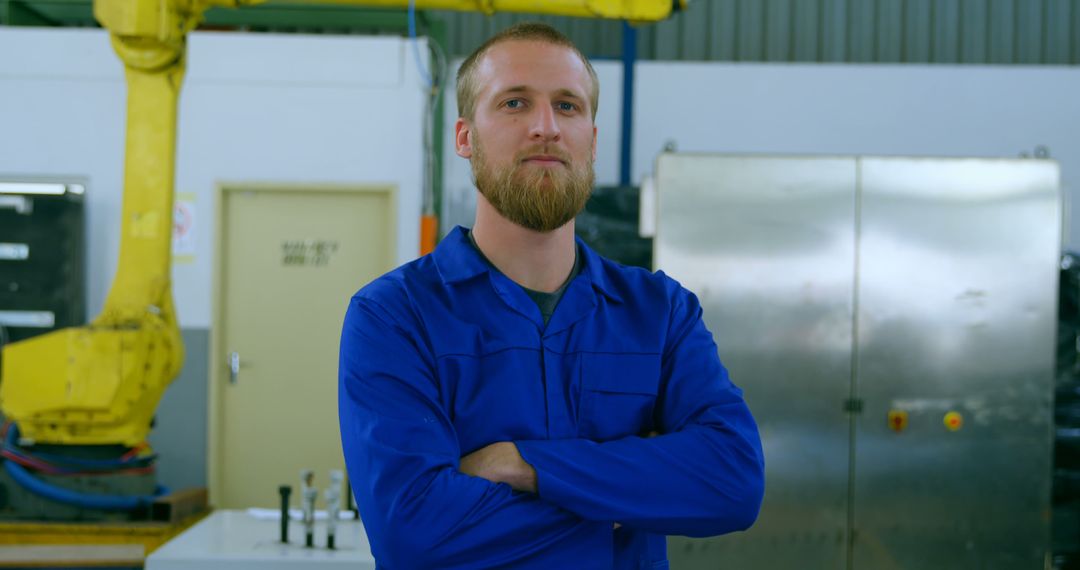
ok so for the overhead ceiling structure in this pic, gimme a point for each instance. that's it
(1002, 32)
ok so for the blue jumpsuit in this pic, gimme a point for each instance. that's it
(620, 403)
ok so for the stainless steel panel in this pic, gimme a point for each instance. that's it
(767, 244)
(956, 312)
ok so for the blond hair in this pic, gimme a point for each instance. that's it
(525, 31)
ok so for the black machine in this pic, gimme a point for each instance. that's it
(42, 259)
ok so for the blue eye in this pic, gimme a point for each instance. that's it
(567, 106)
(513, 104)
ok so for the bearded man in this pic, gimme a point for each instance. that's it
(514, 400)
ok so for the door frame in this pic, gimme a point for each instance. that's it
(216, 362)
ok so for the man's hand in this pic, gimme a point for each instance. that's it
(501, 463)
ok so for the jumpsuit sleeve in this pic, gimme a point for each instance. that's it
(402, 454)
(702, 476)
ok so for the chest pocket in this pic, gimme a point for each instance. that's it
(618, 394)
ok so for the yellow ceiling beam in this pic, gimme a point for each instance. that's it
(636, 10)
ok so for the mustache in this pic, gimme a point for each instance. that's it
(542, 150)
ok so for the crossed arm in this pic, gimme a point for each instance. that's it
(424, 504)
(702, 475)
(501, 462)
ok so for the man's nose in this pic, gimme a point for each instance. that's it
(545, 126)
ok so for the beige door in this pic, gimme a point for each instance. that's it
(289, 259)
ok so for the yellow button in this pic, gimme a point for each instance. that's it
(897, 420)
(954, 421)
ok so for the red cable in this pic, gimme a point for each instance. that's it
(48, 468)
(133, 451)
(28, 462)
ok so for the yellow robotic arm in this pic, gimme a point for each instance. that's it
(100, 383)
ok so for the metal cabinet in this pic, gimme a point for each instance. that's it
(891, 321)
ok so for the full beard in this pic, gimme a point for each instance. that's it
(537, 198)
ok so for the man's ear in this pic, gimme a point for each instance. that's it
(463, 138)
(594, 143)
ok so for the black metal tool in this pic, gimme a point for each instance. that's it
(285, 491)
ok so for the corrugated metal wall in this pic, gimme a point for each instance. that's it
(888, 31)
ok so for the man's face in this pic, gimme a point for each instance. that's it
(532, 140)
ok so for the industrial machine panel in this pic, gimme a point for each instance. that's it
(42, 252)
(956, 304)
(767, 244)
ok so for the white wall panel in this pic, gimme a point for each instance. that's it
(988, 111)
(62, 107)
(259, 108)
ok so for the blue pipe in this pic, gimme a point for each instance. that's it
(67, 496)
(416, 51)
(629, 56)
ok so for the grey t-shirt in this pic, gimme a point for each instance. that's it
(545, 301)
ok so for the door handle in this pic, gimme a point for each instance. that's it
(234, 366)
